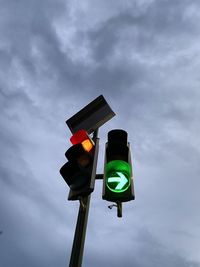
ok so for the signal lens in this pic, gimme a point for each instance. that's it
(118, 175)
(78, 137)
(87, 145)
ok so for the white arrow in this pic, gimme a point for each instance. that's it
(122, 180)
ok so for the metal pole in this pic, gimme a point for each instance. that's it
(81, 225)
(79, 236)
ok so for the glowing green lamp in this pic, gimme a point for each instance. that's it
(118, 175)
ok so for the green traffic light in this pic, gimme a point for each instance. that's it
(118, 175)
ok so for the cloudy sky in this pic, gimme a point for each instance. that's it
(144, 57)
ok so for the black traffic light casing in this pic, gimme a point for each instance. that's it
(118, 176)
(80, 171)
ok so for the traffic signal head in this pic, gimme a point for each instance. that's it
(118, 182)
(78, 172)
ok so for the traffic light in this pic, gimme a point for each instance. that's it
(80, 170)
(118, 178)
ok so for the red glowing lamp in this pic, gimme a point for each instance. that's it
(82, 137)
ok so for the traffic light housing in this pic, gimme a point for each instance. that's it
(118, 177)
(80, 170)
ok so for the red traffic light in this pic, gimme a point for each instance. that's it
(82, 137)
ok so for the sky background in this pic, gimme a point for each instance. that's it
(144, 57)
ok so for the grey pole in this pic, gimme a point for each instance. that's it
(81, 225)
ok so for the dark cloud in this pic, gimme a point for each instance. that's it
(143, 30)
(145, 251)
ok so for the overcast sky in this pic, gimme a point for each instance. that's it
(144, 57)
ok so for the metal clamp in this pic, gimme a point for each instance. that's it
(118, 205)
(82, 203)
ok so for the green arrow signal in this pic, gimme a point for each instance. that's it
(122, 180)
(118, 176)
